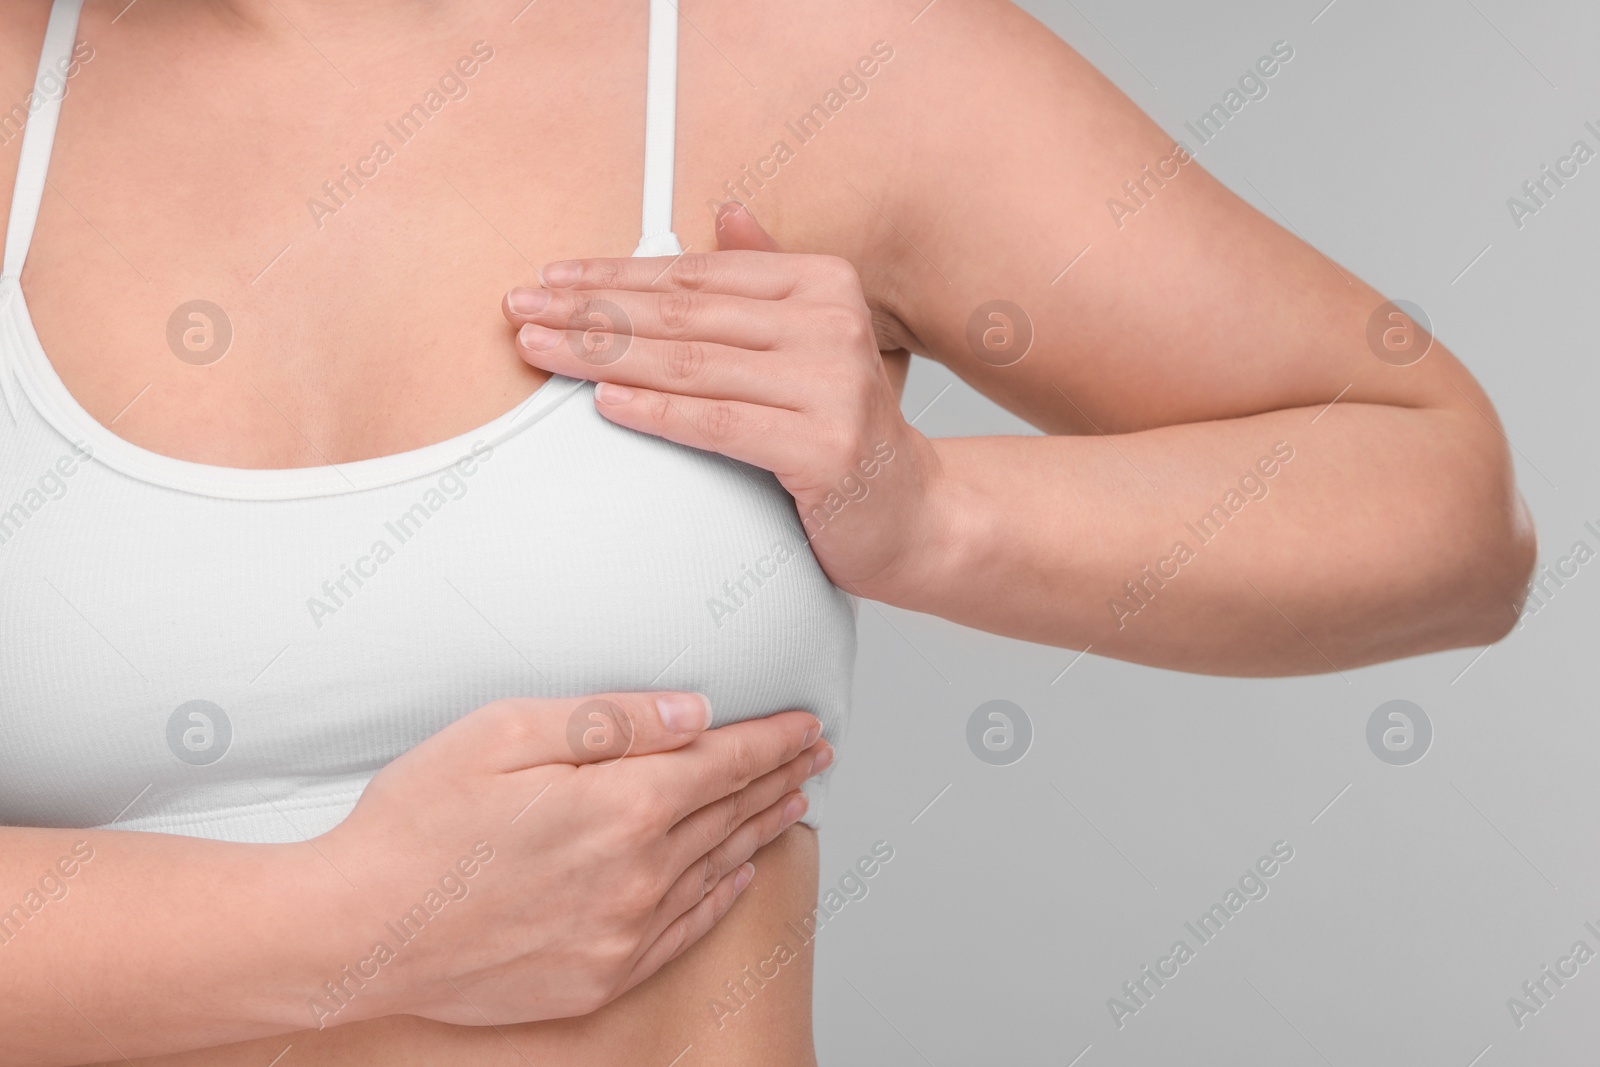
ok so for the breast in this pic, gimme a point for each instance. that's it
(240, 668)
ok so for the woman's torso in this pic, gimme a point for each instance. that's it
(365, 323)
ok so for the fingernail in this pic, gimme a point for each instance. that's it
(821, 761)
(811, 736)
(684, 713)
(794, 809)
(527, 301)
(747, 873)
(612, 393)
(533, 335)
(563, 273)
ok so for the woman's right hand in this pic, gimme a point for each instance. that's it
(571, 847)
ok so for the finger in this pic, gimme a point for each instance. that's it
(516, 734)
(762, 275)
(691, 926)
(708, 871)
(711, 867)
(738, 228)
(718, 318)
(772, 438)
(724, 760)
(691, 367)
(709, 828)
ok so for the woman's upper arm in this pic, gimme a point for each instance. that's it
(1010, 153)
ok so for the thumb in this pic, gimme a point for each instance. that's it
(516, 733)
(738, 229)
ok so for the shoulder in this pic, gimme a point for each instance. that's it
(913, 53)
(858, 104)
(894, 132)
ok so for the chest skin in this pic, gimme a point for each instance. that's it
(357, 209)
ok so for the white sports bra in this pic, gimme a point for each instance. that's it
(233, 653)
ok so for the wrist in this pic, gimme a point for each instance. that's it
(948, 538)
(335, 973)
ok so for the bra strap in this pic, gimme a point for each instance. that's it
(660, 132)
(39, 135)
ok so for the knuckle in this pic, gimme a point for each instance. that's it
(847, 324)
(742, 762)
(594, 992)
(625, 721)
(739, 809)
(599, 729)
(720, 422)
(836, 444)
(732, 816)
(838, 271)
(691, 271)
(592, 313)
(798, 769)
(685, 360)
(861, 333)
(602, 273)
(628, 815)
(648, 814)
(677, 310)
(638, 896)
(709, 876)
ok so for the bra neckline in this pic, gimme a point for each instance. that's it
(27, 362)
(55, 403)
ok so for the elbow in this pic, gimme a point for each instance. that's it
(1498, 572)
(1520, 555)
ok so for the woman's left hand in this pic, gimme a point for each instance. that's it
(765, 357)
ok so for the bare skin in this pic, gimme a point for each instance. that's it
(1200, 333)
(676, 1009)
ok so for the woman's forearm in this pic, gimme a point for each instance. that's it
(116, 944)
(1296, 541)
(120, 944)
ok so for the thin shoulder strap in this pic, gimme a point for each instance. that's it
(660, 131)
(44, 108)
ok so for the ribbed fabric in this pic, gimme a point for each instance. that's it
(332, 618)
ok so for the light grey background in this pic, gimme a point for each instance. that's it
(1424, 897)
